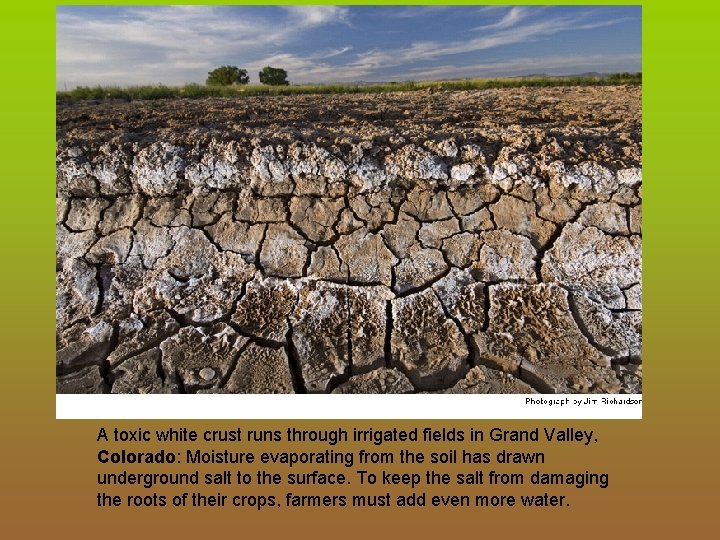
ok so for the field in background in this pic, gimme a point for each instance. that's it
(201, 91)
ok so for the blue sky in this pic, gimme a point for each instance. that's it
(125, 45)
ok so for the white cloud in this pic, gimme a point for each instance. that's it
(176, 43)
(309, 69)
(335, 52)
(514, 15)
(310, 16)
(179, 44)
(506, 32)
(551, 65)
(413, 12)
(430, 50)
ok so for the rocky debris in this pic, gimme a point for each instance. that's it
(111, 249)
(426, 345)
(193, 278)
(407, 242)
(427, 206)
(283, 252)
(431, 235)
(520, 217)
(61, 208)
(320, 334)
(617, 333)
(347, 222)
(86, 381)
(505, 256)
(150, 243)
(463, 299)
(237, 236)
(82, 345)
(143, 374)
(136, 335)
(77, 293)
(252, 209)
(461, 250)
(467, 200)
(380, 381)
(636, 220)
(609, 217)
(264, 309)
(118, 285)
(71, 245)
(208, 207)
(84, 214)
(367, 323)
(260, 370)
(588, 259)
(375, 209)
(216, 168)
(366, 258)
(315, 217)
(156, 169)
(482, 380)
(200, 357)
(557, 209)
(633, 297)
(478, 221)
(533, 336)
(400, 236)
(325, 264)
(630, 376)
(418, 268)
(414, 163)
(168, 211)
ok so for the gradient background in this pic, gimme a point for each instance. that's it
(663, 469)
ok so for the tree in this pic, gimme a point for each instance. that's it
(273, 76)
(227, 75)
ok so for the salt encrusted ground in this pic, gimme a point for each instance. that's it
(463, 242)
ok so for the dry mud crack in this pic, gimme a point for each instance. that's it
(458, 242)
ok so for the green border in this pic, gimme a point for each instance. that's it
(676, 443)
(678, 251)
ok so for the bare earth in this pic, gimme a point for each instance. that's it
(462, 242)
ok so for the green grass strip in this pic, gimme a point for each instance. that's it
(196, 91)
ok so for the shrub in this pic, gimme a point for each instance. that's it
(227, 75)
(273, 76)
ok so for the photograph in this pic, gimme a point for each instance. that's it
(348, 200)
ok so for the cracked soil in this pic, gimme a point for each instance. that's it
(458, 242)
